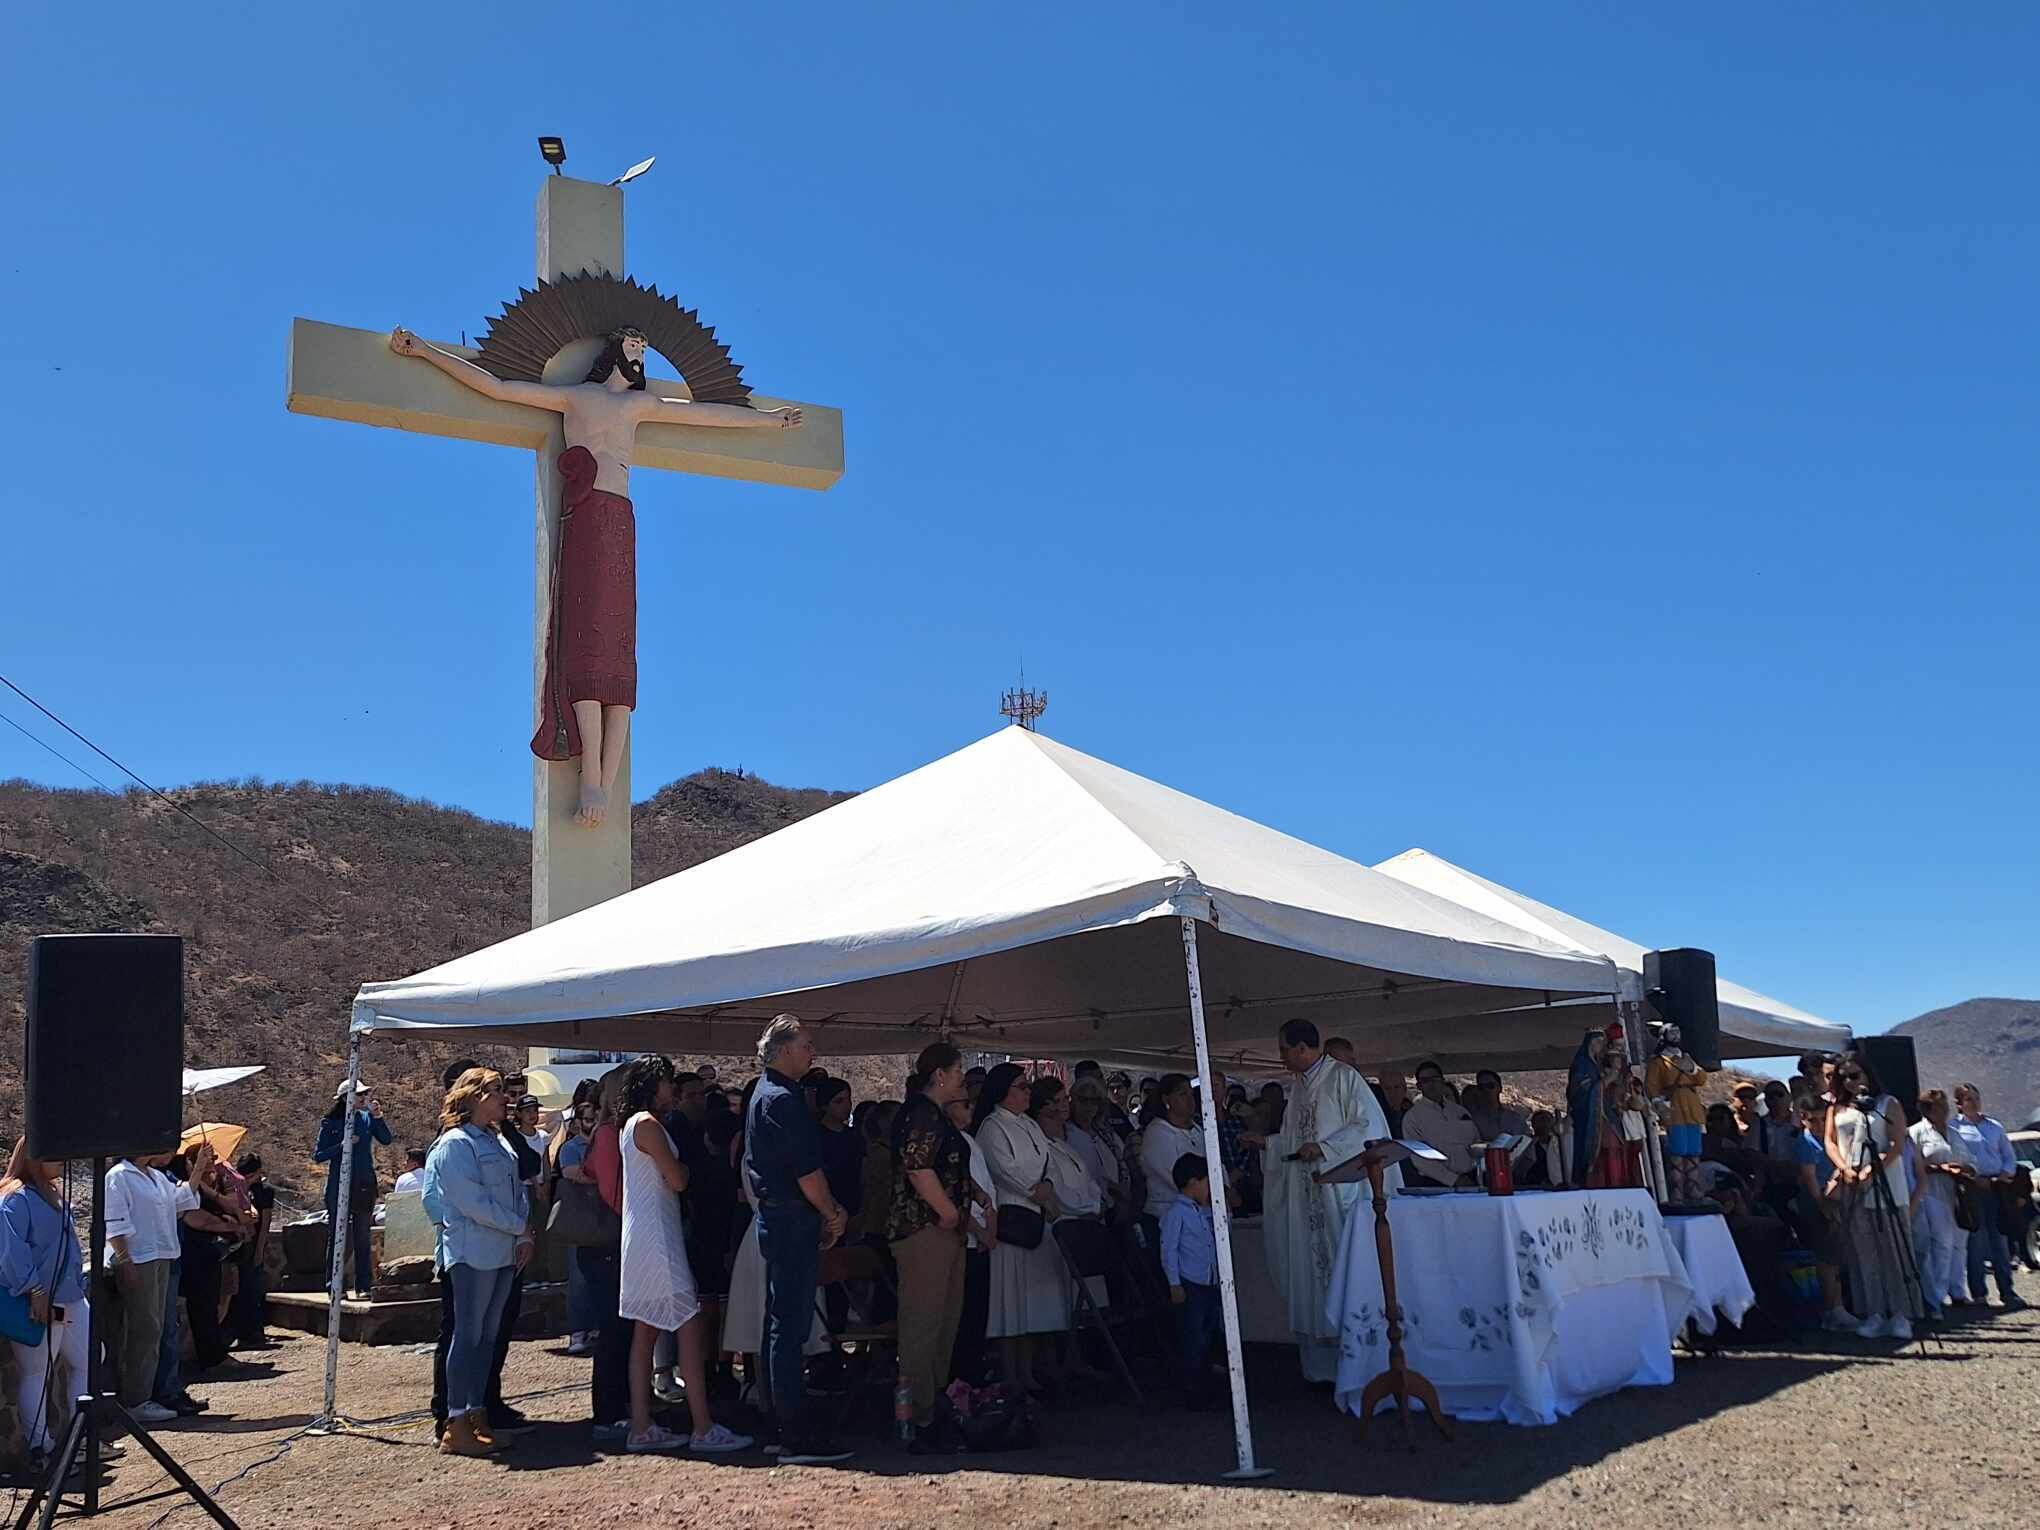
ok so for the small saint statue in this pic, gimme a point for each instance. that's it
(591, 646)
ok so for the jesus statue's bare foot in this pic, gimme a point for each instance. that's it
(594, 806)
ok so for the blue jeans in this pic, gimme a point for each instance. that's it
(1198, 1322)
(790, 1239)
(582, 1314)
(360, 1229)
(478, 1298)
(1987, 1241)
(168, 1382)
(609, 1376)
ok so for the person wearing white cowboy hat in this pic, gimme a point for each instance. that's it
(369, 1129)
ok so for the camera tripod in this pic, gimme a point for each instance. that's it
(1892, 1235)
(99, 1403)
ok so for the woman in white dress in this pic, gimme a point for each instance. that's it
(1866, 1143)
(657, 1282)
(1030, 1291)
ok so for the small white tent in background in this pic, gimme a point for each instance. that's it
(1752, 1025)
(1016, 896)
(198, 1080)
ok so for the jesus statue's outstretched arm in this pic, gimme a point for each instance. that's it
(486, 383)
(680, 411)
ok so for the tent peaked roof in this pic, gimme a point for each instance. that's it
(1763, 1025)
(1016, 888)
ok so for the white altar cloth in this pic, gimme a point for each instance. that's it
(1517, 1307)
(1713, 1269)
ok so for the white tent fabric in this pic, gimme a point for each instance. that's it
(197, 1080)
(1017, 895)
(1752, 1025)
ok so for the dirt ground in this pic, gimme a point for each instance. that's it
(1868, 1434)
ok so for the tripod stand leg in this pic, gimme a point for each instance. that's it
(48, 1494)
(177, 1473)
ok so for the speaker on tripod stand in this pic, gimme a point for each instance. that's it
(103, 1067)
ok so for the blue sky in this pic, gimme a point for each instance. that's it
(1596, 443)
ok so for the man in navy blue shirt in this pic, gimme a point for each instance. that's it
(797, 1216)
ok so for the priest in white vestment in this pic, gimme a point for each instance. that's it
(1332, 1115)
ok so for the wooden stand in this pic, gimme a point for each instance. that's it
(1398, 1381)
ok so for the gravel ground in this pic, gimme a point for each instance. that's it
(1870, 1434)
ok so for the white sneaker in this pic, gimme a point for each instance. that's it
(1871, 1328)
(155, 1413)
(666, 1389)
(719, 1441)
(578, 1344)
(659, 1438)
(1898, 1328)
(1835, 1320)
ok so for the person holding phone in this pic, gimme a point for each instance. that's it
(369, 1129)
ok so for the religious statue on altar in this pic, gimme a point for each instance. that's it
(1331, 1117)
(591, 653)
(1586, 1106)
(1673, 1082)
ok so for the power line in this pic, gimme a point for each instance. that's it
(153, 791)
(53, 749)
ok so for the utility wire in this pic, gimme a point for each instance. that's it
(53, 749)
(153, 791)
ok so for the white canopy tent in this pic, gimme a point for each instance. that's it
(1015, 896)
(1752, 1025)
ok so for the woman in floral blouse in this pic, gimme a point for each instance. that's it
(931, 1191)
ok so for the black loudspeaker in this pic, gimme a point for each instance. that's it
(1684, 980)
(105, 1049)
(1897, 1067)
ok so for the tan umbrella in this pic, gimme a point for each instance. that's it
(225, 1138)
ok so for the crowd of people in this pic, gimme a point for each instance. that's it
(1908, 1213)
(186, 1239)
(700, 1220)
(724, 1205)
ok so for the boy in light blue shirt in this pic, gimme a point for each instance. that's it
(1190, 1263)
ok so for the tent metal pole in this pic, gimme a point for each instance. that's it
(329, 1419)
(1243, 1428)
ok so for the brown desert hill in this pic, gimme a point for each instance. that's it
(1991, 1043)
(360, 883)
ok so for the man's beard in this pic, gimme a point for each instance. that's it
(633, 371)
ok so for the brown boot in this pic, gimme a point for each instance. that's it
(460, 1438)
(478, 1421)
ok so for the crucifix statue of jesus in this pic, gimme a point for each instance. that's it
(591, 663)
(562, 373)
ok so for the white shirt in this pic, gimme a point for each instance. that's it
(1160, 1146)
(143, 1205)
(410, 1182)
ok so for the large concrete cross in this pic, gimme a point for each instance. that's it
(351, 374)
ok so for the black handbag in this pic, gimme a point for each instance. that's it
(1021, 1226)
(1024, 1226)
(1966, 1208)
(580, 1218)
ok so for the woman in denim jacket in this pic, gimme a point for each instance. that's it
(473, 1195)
